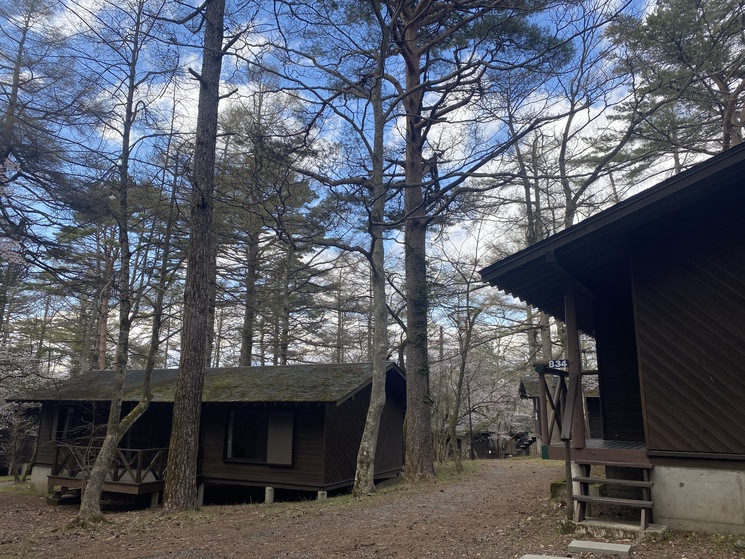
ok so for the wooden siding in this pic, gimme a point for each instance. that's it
(306, 471)
(389, 455)
(618, 370)
(344, 426)
(45, 445)
(690, 309)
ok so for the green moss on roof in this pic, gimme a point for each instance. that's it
(292, 383)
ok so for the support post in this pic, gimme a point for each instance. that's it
(200, 494)
(268, 495)
(543, 410)
(575, 367)
(570, 482)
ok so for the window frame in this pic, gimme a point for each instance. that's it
(277, 437)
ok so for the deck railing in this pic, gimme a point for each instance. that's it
(130, 465)
(554, 392)
(552, 397)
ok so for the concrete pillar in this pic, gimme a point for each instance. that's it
(154, 498)
(200, 495)
(39, 478)
(269, 495)
(322, 495)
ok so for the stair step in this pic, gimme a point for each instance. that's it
(541, 557)
(612, 463)
(600, 548)
(636, 503)
(611, 481)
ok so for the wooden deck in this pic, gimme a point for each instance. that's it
(603, 450)
(132, 471)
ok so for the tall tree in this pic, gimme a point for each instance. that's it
(181, 475)
(341, 70)
(43, 102)
(123, 38)
(693, 55)
(442, 60)
(450, 54)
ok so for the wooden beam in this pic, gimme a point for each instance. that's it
(543, 410)
(575, 367)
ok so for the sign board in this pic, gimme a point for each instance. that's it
(558, 363)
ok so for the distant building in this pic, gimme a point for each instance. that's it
(292, 427)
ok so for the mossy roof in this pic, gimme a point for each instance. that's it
(291, 383)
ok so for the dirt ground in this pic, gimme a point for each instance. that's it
(499, 509)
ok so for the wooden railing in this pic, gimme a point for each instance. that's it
(555, 403)
(552, 397)
(130, 465)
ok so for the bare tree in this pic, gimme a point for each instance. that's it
(136, 26)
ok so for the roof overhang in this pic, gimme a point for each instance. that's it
(595, 253)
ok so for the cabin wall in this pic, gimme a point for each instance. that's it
(152, 430)
(389, 457)
(690, 316)
(46, 446)
(344, 427)
(621, 405)
(306, 471)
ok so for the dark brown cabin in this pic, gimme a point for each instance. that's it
(659, 281)
(289, 427)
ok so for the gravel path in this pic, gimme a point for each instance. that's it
(499, 510)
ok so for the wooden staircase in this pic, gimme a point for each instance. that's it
(526, 443)
(586, 479)
(62, 494)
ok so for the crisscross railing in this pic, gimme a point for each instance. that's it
(552, 398)
(130, 465)
(554, 391)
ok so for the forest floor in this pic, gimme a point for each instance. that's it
(498, 509)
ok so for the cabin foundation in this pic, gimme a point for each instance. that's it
(700, 499)
(39, 478)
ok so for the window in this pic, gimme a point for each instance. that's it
(260, 437)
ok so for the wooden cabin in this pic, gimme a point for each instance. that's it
(659, 281)
(290, 427)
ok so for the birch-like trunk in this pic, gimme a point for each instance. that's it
(364, 479)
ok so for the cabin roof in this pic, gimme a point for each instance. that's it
(324, 383)
(595, 252)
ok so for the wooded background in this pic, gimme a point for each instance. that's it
(435, 137)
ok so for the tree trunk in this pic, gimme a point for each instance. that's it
(249, 314)
(181, 474)
(90, 507)
(364, 479)
(419, 450)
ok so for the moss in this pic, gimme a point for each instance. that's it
(20, 488)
